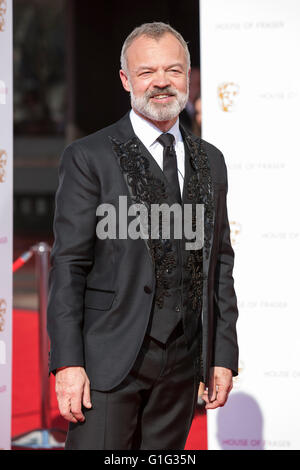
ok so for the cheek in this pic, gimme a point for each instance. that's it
(181, 85)
(139, 87)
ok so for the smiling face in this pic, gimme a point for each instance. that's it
(157, 78)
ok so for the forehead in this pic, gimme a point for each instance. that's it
(145, 50)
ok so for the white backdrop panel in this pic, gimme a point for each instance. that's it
(250, 80)
(6, 212)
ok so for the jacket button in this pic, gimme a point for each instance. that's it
(147, 289)
(177, 308)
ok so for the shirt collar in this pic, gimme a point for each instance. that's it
(148, 133)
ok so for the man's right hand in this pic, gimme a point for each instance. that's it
(72, 388)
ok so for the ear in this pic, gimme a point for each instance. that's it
(124, 80)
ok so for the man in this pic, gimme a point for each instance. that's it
(137, 323)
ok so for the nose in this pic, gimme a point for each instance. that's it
(160, 79)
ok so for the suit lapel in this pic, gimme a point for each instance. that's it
(198, 189)
(143, 186)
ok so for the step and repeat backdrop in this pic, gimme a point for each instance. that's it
(6, 214)
(250, 86)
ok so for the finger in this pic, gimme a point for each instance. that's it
(212, 405)
(201, 389)
(69, 417)
(222, 396)
(205, 396)
(76, 408)
(212, 392)
(86, 400)
(64, 407)
(221, 399)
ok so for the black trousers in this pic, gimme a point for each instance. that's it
(151, 409)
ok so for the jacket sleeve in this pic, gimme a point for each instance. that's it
(77, 198)
(225, 301)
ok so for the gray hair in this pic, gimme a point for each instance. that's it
(153, 30)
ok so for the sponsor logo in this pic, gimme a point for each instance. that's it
(242, 442)
(3, 163)
(282, 374)
(3, 8)
(278, 95)
(259, 165)
(3, 388)
(2, 353)
(265, 304)
(250, 25)
(3, 240)
(227, 94)
(259, 444)
(2, 313)
(3, 92)
(281, 235)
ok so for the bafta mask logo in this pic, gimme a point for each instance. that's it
(227, 94)
(2, 313)
(3, 163)
(2, 92)
(235, 230)
(3, 8)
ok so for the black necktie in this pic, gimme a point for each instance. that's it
(170, 163)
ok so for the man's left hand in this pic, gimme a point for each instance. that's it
(219, 387)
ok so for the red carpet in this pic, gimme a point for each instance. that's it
(26, 387)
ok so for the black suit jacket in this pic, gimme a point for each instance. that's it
(101, 291)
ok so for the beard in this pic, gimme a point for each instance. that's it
(159, 111)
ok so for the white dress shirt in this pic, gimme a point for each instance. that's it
(148, 133)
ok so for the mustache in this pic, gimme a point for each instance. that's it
(167, 90)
